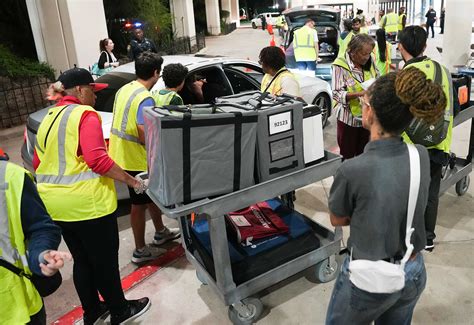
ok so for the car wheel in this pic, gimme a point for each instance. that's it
(254, 26)
(324, 104)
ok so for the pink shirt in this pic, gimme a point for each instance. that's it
(91, 140)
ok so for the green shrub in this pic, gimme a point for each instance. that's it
(16, 67)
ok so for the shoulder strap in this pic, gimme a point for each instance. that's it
(273, 79)
(13, 268)
(412, 198)
(438, 75)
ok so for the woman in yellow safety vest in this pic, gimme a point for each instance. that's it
(348, 73)
(76, 183)
(277, 79)
(382, 53)
(29, 239)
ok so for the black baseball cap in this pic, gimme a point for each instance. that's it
(79, 77)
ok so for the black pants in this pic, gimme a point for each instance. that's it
(39, 318)
(94, 246)
(431, 212)
(428, 26)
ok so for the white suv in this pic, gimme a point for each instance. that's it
(270, 18)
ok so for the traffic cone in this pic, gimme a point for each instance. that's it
(272, 41)
(270, 29)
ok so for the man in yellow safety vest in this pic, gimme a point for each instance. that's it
(355, 29)
(389, 22)
(127, 149)
(305, 45)
(402, 19)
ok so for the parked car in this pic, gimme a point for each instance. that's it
(270, 18)
(224, 76)
(327, 21)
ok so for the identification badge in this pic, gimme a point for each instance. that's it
(281, 122)
(240, 220)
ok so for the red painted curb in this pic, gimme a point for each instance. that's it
(130, 281)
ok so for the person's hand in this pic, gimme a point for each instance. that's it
(55, 261)
(115, 64)
(141, 185)
(197, 85)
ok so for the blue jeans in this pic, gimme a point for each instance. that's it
(351, 305)
(306, 65)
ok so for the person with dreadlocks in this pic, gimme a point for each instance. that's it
(412, 45)
(370, 195)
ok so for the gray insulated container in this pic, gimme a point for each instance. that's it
(194, 156)
(279, 134)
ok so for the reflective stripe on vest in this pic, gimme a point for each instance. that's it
(21, 300)
(427, 66)
(125, 147)
(62, 179)
(70, 190)
(400, 21)
(391, 23)
(354, 104)
(123, 125)
(303, 44)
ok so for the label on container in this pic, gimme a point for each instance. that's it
(240, 220)
(281, 122)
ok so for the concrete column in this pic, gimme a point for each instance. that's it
(182, 12)
(62, 37)
(213, 17)
(235, 12)
(457, 32)
(35, 22)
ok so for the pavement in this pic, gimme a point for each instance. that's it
(179, 298)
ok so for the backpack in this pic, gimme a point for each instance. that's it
(430, 134)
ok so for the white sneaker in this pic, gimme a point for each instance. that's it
(147, 253)
(165, 235)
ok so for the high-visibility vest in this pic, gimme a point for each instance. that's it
(280, 21)
(19, 299)
(275, 86)
(164, 99)
(383, 67)
(70, 190)
(391, 23)
(400, 21)
(354, 104)
(427, 66)
(343, 44)
(124, 145)
(303, 44)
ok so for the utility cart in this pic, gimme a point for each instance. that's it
(458, 170)
(243, 308)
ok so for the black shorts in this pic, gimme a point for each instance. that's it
(137, 199)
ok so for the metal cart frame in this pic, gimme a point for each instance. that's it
(457, 172)
(242, 310)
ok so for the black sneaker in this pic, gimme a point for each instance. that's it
(135, 308)
(97, 317)
(429, 245)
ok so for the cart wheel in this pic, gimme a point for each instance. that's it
(326, 272)
(200, 277)
(255, 307)
(463, 185)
